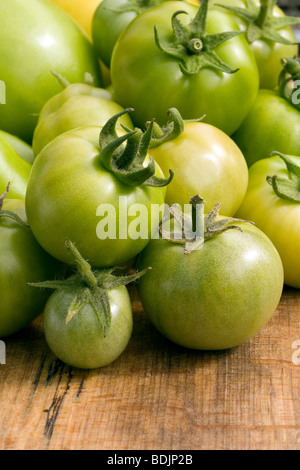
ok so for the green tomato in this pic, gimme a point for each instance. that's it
(74, 192)
(272, 124)
(81, 342)
(13, 169)
(22, 260)
(267, 52)
(78, 105)
(274, 212)
(69, 91)
(110, 20)
(38, 37)
(88, 319)
(205, 161)
(217, 296)
(22, 148)
(152, 74)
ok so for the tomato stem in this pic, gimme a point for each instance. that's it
(195, 46)
(83, 267)
(265, 10)
(196, 228)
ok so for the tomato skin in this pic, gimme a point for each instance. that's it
(22, 261)
(81, 343)
(267, 54)
(73, 108)
(22, 148)
(107, 26)
(80, 11)
(278, 218)
(152, 82)
(205, 161)
(68, 92)
(108, 23)
(13, 169)
(216, 297)
(268, 58)
(68, 183)
(47, 40)
(272, 124)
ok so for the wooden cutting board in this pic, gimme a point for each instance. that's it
(157, 396)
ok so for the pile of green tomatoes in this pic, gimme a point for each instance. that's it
(181, 174)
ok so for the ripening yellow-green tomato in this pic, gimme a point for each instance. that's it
(81, 11)
(205, 161)
(272, 202)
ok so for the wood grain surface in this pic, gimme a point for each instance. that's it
(156, 396)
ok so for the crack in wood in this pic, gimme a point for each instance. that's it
(80, 388)
(39, 372)
(54, 409)
(54, 369)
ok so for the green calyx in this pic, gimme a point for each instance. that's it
(127, 162)
(174, 128)
(89, 287)
(9, 214)
(136, 6)
(64, 82)
(85, 89)
(192, 46)
(193, 229)
(261, 22)
(286, 188)
(289, 81)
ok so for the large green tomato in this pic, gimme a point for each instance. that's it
(74, 192)
(37, 37)
(205, 161)
(217, 296)
(22, 260)
(13, 169)
(272, 124)
(186, 69)
(276, 209)
(78, 105)
(268, 52)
